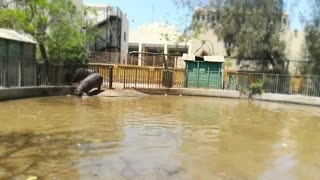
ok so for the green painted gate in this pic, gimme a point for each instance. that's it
(203, 74)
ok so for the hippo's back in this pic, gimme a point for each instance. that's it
(94, 80)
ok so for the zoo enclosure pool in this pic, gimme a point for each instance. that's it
(157, 137)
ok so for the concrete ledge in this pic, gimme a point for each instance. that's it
(191, 92)
(294, 99)
(28, 92)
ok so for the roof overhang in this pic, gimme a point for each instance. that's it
(16, 36)
(192, 57)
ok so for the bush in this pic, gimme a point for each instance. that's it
(256, 88)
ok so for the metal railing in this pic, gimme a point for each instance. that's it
(135, 58)
(275, 83)
(133, 77)
(20, 72)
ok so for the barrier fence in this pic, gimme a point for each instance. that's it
(275, 83)
(135, 58)
(20, 72)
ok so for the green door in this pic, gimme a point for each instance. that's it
(204, 75)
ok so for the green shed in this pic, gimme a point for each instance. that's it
(204, 72)
(17, 58)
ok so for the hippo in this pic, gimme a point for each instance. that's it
(94, 80)
(80, 74)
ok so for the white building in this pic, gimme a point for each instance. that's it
(111, 43)
(151, 39)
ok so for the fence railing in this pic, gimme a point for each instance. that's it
(133, 77)
(136, 58)
(19, 72)
(275, 83)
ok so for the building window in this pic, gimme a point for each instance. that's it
(213, 18)
(203, 18)
(125, 36)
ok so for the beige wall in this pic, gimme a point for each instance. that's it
(294, 44)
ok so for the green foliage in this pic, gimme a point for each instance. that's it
(242, 90)
(56, 25)
(228, 63)
(256, 88)
(313, 40)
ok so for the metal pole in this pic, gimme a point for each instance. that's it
(186, 76)
(291, 86)
(277, 84)
(307, 86)
(19, 72)
(198, 75)
(6, 74)
(208, 81)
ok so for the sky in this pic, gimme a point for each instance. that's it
(142, 12)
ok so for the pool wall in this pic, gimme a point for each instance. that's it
(28, 92)
(295, 99)
(192, 92)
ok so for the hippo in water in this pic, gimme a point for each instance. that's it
(80, 74)
(94, 80)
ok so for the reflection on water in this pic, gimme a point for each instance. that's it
(158, 137)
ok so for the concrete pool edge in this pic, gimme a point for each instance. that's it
(281, 98)
(192, 92)
(292, 99)
(29, 92)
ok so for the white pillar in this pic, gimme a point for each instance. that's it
(189, 48)
(140, 55)
(166, 49)
(166, 52)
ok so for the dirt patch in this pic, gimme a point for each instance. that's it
(121, 93)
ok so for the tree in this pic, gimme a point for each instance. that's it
(312, 30)
(56, 25)
(250, 29)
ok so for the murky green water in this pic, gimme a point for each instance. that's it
(158, 137)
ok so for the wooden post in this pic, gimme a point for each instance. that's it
(136, 78)
(124, 78)
(110, 76)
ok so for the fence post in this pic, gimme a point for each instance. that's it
(307, 86)
(6, 69)
(291, 86)
(175, 62)
(136, 78)
(148, 78)
(237, 81)
(277, 85)
(249, 80)
(208, 81)
(19, 72)
(124, 78)
(154, 60)
(110, 76)
(198, 74)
